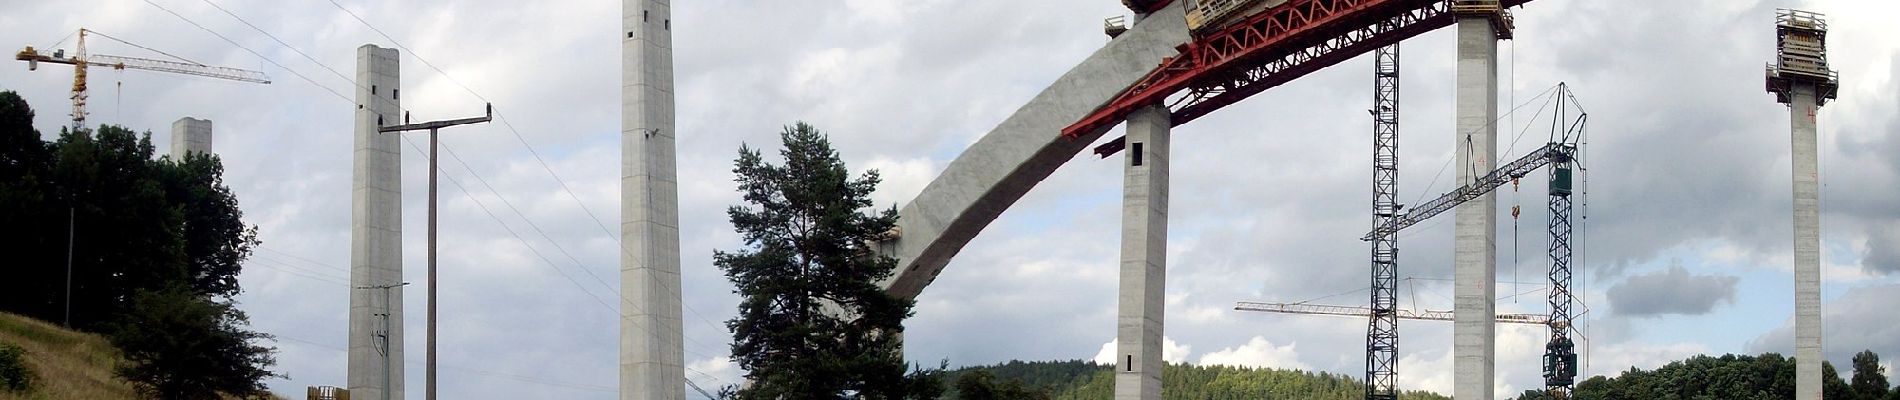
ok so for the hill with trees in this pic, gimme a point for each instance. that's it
(1738, 377)
(1077, 379)
(104, 236)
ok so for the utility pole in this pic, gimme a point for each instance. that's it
(70, 225)
(384, 335)
(433, 127)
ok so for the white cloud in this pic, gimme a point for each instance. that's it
(1685, 158)
(719, 370)
(1170, 351)
(1257, 353)
(1424, 371)
(1612, 360)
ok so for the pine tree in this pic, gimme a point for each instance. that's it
(813, 322)
(1869, 381)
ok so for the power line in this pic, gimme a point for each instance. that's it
(499, 116)
(292, 272)
(1494, 121)
(279, 41)
(464, 190)
(253, 52)
(511, 231)
(504, 375)
(313, 262)
(537, 253)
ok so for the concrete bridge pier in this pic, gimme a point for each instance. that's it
(1474, 260)
(1144, 258)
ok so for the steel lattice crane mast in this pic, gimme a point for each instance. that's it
(1560, 357)
(81, 60)
(1382, 320)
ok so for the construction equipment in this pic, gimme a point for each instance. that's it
(1267, 44)
(1560, 357)
(81, 60)
(1363, 312)
(1539, 158)
(1382, 326)
(1210, 15)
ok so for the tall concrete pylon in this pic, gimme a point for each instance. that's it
(1475, 254)
(1799, 77)
(375, 372)
(652, 358)
(1144, 256)
(190, 135)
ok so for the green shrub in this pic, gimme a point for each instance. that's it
(14, 377)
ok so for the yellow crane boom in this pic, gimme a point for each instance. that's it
(80, 60)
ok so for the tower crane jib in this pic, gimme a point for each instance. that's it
(81, 60)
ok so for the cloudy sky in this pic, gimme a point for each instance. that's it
(1687, 245)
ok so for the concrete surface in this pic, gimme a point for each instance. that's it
(1474, 258)
(190, 135)
(1807, 244)
(376, 228)
(652, 358)
(1144, 258)
(1024, 149)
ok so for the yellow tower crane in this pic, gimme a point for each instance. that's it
(80, 60)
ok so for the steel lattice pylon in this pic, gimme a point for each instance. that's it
(1560, 355)
(1382, 328)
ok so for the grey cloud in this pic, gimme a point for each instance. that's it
(1861, 319)
(1675, 291)
(1271, 193)
(1883, 250)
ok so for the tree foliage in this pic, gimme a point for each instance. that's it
(813, 322)
(983, 385)
(1870, 380)
(1768, 376)
(179, 345)
(14, 376)
(148, 237)
(1078, 379)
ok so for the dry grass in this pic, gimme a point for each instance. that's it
(69, 365)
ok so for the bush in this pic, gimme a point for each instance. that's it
(14, 377)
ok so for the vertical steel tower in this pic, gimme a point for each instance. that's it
(1799, 77)
(1560, 353)
(1382, 328)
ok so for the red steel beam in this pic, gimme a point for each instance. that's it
(1269, 49)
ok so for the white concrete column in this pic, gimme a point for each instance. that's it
(1802, 109)
(376, 231)
(190, 135)
(1144, 266)
(1474, 259)
(652, 359)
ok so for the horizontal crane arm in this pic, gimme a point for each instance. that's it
(118, 62)
(1350, 311)
(1516, 169)
(121, 62)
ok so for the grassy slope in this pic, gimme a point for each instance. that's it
(69, 365)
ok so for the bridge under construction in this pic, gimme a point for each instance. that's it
(1178, 61)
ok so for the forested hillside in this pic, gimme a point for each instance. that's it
(1077, 379)
(1733, 377)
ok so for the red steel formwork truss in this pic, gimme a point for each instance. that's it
(1271, 48)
